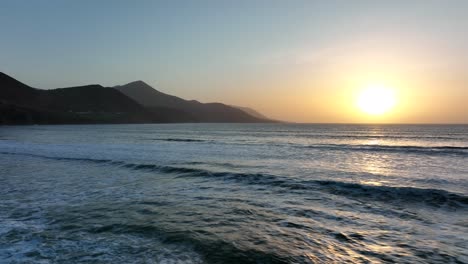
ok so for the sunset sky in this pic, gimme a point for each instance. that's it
(302, 61)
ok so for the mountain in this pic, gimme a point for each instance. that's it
(136, 102)
(22, 104)
(194, 110)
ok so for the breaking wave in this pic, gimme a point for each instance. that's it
(389, 194)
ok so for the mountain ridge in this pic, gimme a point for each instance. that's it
(150, 97)
(94, 103)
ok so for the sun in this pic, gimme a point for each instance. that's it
(376, 100)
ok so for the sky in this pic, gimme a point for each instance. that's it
(300, 61)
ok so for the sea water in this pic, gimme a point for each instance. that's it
(234, 193)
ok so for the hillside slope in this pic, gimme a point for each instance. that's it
(23, 104)
(200, 112)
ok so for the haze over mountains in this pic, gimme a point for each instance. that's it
(135, 102)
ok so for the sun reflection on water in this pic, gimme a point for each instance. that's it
(376, 164)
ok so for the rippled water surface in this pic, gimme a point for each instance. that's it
(234, 193)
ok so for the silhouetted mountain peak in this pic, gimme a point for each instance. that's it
(140, 82)
(137, 85)
(209, 112)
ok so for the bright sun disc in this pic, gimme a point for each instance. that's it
(376, 100)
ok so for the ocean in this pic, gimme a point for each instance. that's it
(234, 193)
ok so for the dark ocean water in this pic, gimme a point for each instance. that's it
(234, 193)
